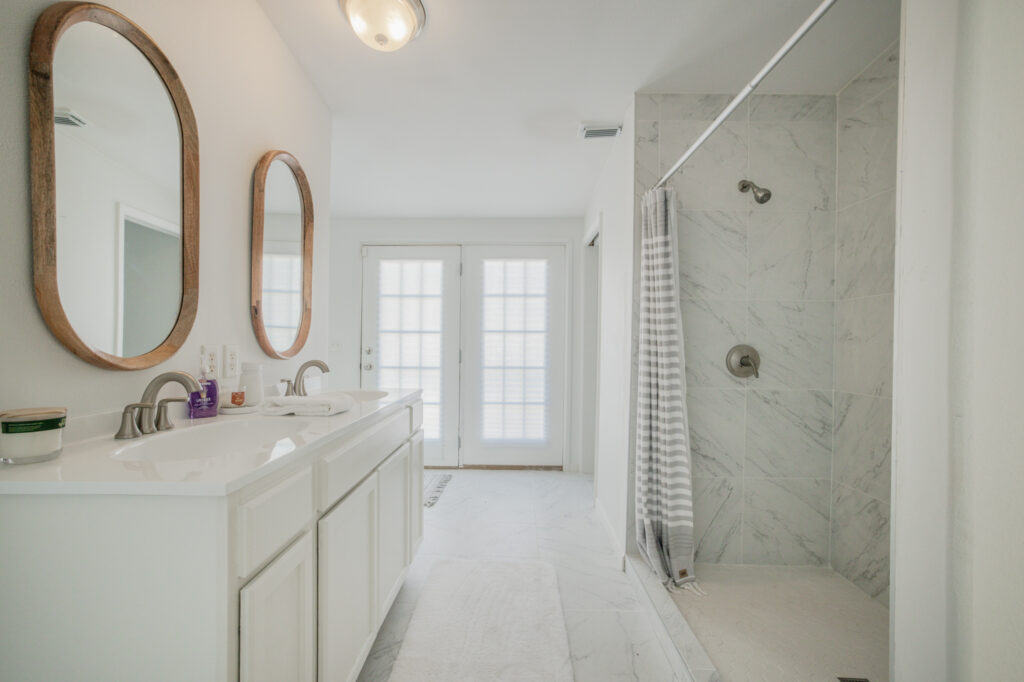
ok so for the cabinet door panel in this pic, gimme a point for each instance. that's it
(267, 522)
(342, 469)
(277, 619)
(416, 494)
(394, 526)
(348, 583)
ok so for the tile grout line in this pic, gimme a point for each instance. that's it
(746, 384)
(869, 65)
(835, 335)
(872, 99)
(887, 503)
(862, 200)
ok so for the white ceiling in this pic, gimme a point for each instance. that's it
(479, 115)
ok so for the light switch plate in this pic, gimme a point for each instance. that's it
(211, 359)
(232, 367)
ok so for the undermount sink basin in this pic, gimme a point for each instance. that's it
(262, 437)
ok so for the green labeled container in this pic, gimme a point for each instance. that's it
(31, 435)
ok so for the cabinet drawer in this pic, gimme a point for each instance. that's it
(267, 522)
(342, 469)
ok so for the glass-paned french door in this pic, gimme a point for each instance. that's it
(411, 335)
(513, 342)
(481, 329)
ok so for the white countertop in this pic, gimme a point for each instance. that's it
(249, 447)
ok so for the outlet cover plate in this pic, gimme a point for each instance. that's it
(232, 367)
(211, 359)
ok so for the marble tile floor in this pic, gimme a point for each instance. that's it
(536, 515)
(786, 623)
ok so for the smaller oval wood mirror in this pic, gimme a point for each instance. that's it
(282, 255)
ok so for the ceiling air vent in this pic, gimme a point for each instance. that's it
(593, 130)
(66, 117)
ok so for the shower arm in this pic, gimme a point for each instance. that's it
(745, 92)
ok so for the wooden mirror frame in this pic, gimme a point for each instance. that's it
(51, 24)
(259, 182)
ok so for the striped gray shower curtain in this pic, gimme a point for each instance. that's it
(664, 495)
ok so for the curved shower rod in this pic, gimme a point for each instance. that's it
(745, 92)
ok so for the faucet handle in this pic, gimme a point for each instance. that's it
(163, 422)
(129, 429)
(289, 387)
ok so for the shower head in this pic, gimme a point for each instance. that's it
(761, 194)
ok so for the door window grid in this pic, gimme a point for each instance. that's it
(515, 339)
(409, 324)
(282, 298)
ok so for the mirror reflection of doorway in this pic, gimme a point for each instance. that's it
(149, 286)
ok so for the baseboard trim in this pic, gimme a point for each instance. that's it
(500, 467)
(689, 661)
(609, 530)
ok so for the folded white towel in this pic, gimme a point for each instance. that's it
(309, 406)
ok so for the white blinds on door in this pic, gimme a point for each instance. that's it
(410, 310)
(515, 350)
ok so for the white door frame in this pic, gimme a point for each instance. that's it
(126, 213)
(507, 452)
(446, 452)
(570, 287)
(591, 347)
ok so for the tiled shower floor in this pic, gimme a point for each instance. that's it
(546, 516)
(787, 623)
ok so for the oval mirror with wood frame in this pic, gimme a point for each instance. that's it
(282, 255)
(115, 188)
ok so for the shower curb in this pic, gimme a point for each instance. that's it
(685, 654)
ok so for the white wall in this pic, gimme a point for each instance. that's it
(958, 474)
(350, 234)
(988, 323)
(231, 60)
(612, 204)
(919, 598)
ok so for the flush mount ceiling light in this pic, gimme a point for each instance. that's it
(385, 25)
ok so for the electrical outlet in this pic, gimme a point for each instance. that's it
(231, 364)
(211, 359)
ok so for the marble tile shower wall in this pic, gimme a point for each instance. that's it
(791, 468)
(865, 269)
(764, 275)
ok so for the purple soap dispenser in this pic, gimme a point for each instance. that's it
(205, 404)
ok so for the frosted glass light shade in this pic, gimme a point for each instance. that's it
(385, 25)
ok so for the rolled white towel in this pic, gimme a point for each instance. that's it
(308, 406)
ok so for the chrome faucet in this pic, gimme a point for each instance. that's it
(147, 418)
(300, 378)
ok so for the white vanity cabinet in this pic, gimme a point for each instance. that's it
(394, 479)
(281, 574)
(348, 583)
(362, 555)
(416, 494)
(365, 550)
(278, 619)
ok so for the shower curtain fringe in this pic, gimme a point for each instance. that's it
(693, 588)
